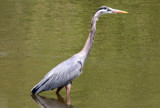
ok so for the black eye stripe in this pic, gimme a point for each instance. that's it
(102, 8)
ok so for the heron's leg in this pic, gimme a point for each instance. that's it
(59, 89)
(68, 100)
(68, 89)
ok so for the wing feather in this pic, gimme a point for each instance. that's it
(61, 75)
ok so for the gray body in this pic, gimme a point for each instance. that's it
(64, 73)
(61, 75)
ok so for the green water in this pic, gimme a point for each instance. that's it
(122, 70)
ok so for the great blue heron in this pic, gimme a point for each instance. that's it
(64, 73)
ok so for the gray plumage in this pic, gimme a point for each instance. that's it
(64, 73)
(61, 75)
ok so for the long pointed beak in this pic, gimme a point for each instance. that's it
(119, 11)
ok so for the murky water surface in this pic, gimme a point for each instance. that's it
(122, 70)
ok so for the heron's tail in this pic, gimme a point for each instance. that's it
(39, 87)
(35, 89)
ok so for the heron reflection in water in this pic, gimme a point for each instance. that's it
(45, 102)
(64, 73)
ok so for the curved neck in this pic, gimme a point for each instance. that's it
(88, 45)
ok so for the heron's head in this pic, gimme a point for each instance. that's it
(105, 10)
